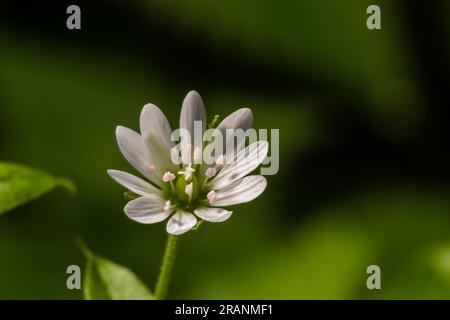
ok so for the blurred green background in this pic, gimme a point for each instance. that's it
(363, 118)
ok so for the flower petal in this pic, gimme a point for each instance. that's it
(244, 162)
(147, 209)
(154, 125)
(243, 190)
(192, 110)
(240, 119)
(181, 222)
(213, 214)
(136, 151)
(133, 183)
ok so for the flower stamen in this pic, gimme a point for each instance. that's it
(189, 189)
(152, 169)
(168, 176)
(212, 196)
(187, 172)
(210, 172)
(167, 205)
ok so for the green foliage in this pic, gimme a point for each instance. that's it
(326, 260)
(20, 184)
(106, 280)
(327, 39)
(328, 255)
(272, 247)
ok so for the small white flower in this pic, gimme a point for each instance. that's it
(195, 190)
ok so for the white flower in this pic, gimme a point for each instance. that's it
(186, 191)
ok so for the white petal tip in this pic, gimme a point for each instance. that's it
(146, 209)
(192, 94)
(181, 222)
(148, 107)
(120, 129)
(213, 214)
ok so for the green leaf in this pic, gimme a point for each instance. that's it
(20, 184)
(106, 280)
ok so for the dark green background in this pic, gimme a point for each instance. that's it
(363, 122)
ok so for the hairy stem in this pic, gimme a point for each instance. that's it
(162, 285)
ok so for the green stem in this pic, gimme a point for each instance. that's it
(162, 285)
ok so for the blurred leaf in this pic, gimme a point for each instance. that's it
(20, 184)
(440, 261)
(327, 260)
(404, 232)
(106, 280)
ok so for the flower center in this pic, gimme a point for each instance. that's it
(183, 189)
